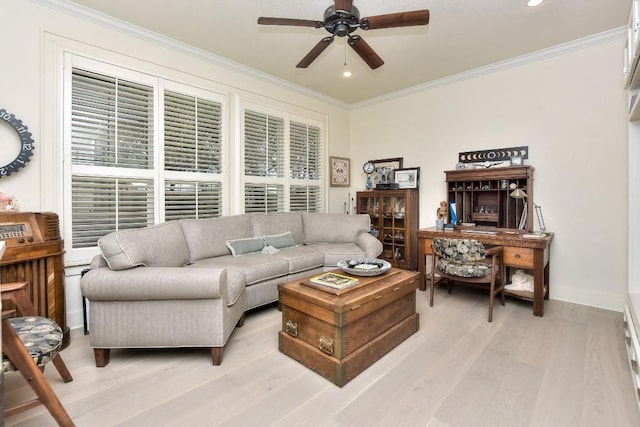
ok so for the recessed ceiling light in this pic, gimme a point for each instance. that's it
(533, 3)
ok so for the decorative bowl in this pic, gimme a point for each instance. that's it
(364, 266)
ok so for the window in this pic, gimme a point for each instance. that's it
(192, 157)
(142, 150)
(305, 155)
(282, 163)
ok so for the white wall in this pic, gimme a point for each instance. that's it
(569, 108)
(33, 35)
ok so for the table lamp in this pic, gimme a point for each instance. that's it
(519, 194)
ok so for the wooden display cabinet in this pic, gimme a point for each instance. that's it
(394, 221)
(482, 198)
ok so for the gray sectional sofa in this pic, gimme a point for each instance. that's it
(188, 283)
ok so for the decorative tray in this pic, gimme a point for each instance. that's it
(364, 266)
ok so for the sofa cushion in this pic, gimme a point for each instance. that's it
(279, 241)
(161, 245)
(334, 228)
(245, 246)
(257, 267)
(206, 237)
(278, 223)
(302, 258)
(334, 252)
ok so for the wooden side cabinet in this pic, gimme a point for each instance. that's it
(394, 221)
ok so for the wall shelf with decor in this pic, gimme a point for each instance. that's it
(394, 221)
(481, 196)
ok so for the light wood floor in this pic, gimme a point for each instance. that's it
(565, 369)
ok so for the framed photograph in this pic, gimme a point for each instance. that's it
(339, 171)
(407, 178)
(395, 163)
(516, 160)
(384, 170)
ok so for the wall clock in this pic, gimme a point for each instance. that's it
(24, 140)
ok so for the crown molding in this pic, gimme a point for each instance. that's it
(93, 16)
(90, 15)
(561, 49)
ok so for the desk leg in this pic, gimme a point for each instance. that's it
(538, 282)
(546, 279)
(422, 270)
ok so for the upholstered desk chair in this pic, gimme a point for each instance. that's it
(467, 261)
(28, 343)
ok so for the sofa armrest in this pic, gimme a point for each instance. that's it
(154, 283)
(371, 245)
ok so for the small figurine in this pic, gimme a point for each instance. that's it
(443, 211)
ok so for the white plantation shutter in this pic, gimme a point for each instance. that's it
(192, 134)
(192, 200)
(305, 198)
(263, 145)
(264, 162)
(112, 121)
(117, 178)
(305, 167)
(112, 141)
(263, 198)
(192, 143)
(282, 163)
(304, 151)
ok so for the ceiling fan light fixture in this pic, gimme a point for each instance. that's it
(534, 3)
(341, 19)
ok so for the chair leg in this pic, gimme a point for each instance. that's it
(19, 356)
(432, 285)
(62, 368)
(492, 294)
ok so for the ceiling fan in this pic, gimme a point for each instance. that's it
(341, 19)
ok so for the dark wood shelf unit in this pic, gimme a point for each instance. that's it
(394, 221)
(482, 196)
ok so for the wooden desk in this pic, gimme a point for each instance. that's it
(519, 252)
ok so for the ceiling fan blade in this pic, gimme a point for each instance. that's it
(290, 22)
(315, 52)
(365, 51)
(343, 5)
(392, 20)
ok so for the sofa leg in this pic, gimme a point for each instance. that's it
(216, 355)
(240, 323)
(102, 356)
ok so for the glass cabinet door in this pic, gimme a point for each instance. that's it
(394, 219)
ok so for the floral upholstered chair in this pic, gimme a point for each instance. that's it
(467, 261)
(28, 343)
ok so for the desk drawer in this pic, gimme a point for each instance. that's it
(518, 257)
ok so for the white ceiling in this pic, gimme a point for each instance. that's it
(462, 35)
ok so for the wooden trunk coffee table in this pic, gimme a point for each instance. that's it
(340, 334)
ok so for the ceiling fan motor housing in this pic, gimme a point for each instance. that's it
(341, 22)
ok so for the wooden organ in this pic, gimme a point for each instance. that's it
(34, 253)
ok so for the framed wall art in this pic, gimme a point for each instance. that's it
(394, 163)
(384, 170)
(339, 171)
(407, 178)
